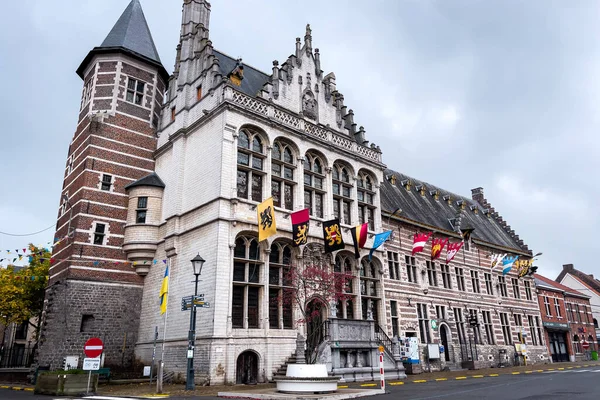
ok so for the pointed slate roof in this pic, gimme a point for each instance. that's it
(438, 214)
(131, 32)
(130, 35)
(149, 180)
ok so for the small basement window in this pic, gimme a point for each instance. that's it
(99, 234)
(142, 208)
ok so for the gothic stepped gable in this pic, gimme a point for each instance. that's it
(443, 211)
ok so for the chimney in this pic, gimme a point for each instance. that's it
(568, 267)
(477, 195)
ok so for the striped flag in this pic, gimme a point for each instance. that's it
(419, 242)
(359, 237)
(507, 264)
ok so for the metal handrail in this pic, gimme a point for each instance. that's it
(384, 340)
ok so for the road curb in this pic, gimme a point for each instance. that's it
(19, 388)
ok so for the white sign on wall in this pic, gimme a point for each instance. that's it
(91, 364)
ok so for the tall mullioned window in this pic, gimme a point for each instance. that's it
(247, 287)
(532, 330)
(99, 234)
(395, 319)
(369, 288)
(460, 325)
(314, 188)
(528, 295)
(431, 274)
(142, 210)
(135, 91)
(505, 328)
(446, 279)
(282, 175)
(342, 193)
(250, 165)
(393, 265)
(344, 264)
(515, 286)
(502, 286)
(460, 278)
(488, 283)
(366, 195)
(489, 328)
(423, 323)
(411, 269)
(475, 281)
(280, 312)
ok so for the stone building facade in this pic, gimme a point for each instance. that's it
(419, 290)
(567, 320)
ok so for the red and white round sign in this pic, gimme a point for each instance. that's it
(585, 345)
(93, 348)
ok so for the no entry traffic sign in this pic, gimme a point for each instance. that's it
(93, 347)
(585, 345)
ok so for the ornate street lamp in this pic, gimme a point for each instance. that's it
(197, 263)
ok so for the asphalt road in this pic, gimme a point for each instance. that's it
(580, 384)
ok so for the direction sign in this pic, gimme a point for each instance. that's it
(585, 345)
(197, 301)
(91, 364)
(93, 348)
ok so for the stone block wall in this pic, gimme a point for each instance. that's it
(77, 311)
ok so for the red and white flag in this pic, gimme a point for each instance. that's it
(437, 246)
(419, 242)
(452, 249)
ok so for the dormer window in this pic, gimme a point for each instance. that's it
(142, 208)
(135, 91)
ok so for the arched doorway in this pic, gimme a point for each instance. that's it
(247, 368)
(444, 337)
(315, 330)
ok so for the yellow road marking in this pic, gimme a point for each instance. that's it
(516, 373)
(369, 384)
(493, 375)
(569, 367)
(539, 370)
(528, 372)
(396, 383)
(586, 365)
(477, 376)
(29, 389)
(460, 377)
(343, 387)
(420, 381)
(441, 379)
(4, 387)
(550, 369)
(560, 369)
(16, 388)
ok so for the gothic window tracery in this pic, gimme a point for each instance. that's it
(314, 188)
(366, 199)
(280, 292)
(282, 175)
(250, 165)
(247, 285)
(342, 193)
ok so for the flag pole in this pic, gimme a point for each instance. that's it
(159, 377)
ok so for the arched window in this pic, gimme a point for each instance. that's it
(246, 283)
(313, 184)
(366, 204)
(370, 288)
(250, 165)
(342, 193)
(280, 304)
(344, 263)
(282, 177)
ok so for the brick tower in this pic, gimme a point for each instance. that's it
(93, 291)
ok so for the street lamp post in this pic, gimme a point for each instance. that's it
(197, 263)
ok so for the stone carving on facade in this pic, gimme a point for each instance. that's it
(309, 105)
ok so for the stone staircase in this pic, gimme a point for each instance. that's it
(281, 371)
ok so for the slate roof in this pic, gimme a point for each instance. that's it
(131, 35)
(541, 280)
(253, 80)
(149, 180)
(585, 279)
(434, 214)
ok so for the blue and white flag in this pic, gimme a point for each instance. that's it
(507, 264)
(380, 238)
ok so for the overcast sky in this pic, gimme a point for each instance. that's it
(461, 94)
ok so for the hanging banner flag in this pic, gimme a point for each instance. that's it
(164, 292)
(380, 238)
(497, 260)
(437, 246)
(333, 236)
(451, 250)
(507, 264)
(266, 219)
(419, 242)
(524, 267)
(300, 224)
(359, 237)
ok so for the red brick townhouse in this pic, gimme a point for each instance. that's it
(567, 320)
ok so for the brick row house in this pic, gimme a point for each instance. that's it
(567, 320)
(419, 290)
(586, 284)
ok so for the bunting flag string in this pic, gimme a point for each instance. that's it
(95, 263)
